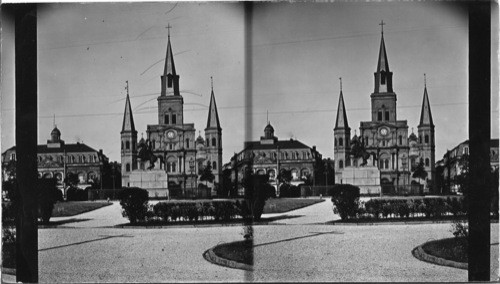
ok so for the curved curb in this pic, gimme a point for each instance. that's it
(210, 256)
(420, 254)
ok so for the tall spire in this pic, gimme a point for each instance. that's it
(341, 121)
(169, 58)
(213, 116)
(425, 114)
(383, 63)
(169, 79)
(128, 118)
(383, 75)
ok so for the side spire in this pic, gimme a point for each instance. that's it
(341, 121)
(128, 118)
(425, 113)
(213, 115)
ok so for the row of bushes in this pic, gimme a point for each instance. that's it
(223, 210)
(345, 197)
(418, 207)
(134, 202)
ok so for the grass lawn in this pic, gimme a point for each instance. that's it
(451, 249)
(241, 252)
(71, 208)
(281, 205)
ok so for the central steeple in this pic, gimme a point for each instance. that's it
(169, 79)
(383, 76)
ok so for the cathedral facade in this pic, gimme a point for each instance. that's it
(171, 144)
(384, 139)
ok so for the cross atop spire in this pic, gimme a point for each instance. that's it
(267, 116)
(382, 25)
(425, 81)
(340, 78)
(168, 27)
(212, 82)
(126, 87)
(55, 121)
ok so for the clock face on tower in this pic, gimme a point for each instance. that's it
(383, 131)
(170, 134)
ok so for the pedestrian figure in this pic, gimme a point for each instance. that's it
(108, 200)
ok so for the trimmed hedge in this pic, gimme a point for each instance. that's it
(417, 207)
(223, 210)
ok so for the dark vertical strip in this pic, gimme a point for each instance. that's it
(26, 142)
(248, 6)
(479, 137)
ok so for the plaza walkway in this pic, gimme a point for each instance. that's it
(318, 213)
(301, 250)
(106, 216)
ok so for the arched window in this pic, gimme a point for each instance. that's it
(153, 143)
(293, 155)
(167, 121)
(174, 119)
(427, 162)
(341, 142)
(386, 163)
(127, 167)
(366, 140)
(341, 164)
(335, 142)
(426, 138)
(400, 140)
(379, 115)
(420, 139)
(173, 166)
(387, 115)
(214, 165)
(127, 145)
(187, 142)
(214, 142)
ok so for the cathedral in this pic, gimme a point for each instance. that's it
(171, 145)
(384, 139)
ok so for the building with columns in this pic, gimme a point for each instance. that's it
(386, 138)
(172, 141)
(56, 159)
(270, 155)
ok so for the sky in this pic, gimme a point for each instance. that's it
(86, 52)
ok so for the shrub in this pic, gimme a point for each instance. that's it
(48, 195)
(134, 202)
(76, 194)
(345, 197)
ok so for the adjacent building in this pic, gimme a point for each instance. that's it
(452, 164)
(56, 159)
(171, 144)
(385, 137)
(270, 155)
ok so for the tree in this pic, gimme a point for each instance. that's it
(71, 179)
(420, 172)
(462, 177)
(206, 174)
(10, 170)
(257, 191)
(226, 184)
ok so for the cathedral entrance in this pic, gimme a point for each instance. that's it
(387, 186)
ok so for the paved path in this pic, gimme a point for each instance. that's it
(106, 216)
(89, 251)
(317, 213)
